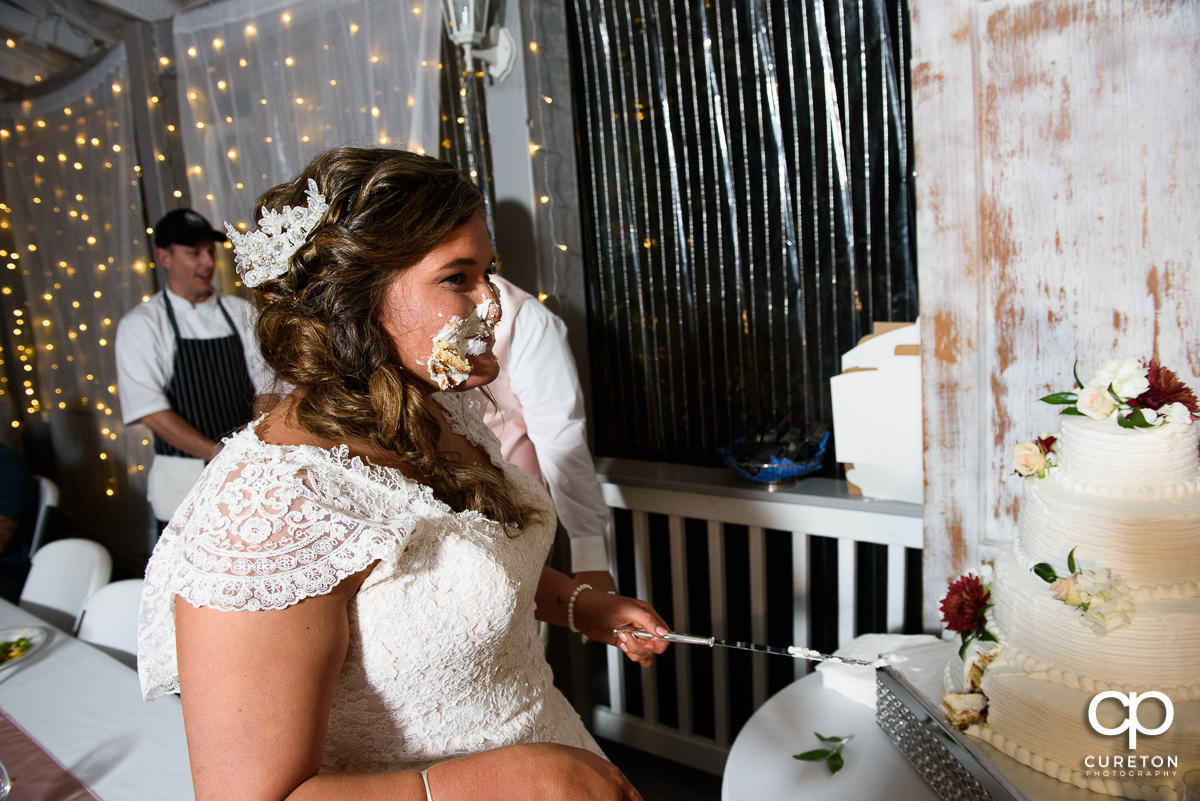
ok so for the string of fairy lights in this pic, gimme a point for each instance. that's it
(80, 260)
(266, 94)
(73, 264)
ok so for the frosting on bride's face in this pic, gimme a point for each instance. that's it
(441, 312)
(449, 363)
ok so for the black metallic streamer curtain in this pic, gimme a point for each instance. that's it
(745, 177)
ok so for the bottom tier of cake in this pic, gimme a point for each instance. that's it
(1046, 726)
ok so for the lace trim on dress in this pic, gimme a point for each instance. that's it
(267, 526)
(465, 415)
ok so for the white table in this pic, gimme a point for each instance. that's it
(760, 765)
(85, 709)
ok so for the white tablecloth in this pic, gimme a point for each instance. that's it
(85, 708)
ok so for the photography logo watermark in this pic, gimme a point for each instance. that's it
(1130, 764)
(1132, 724)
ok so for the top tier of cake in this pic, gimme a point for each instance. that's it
(1099, 457)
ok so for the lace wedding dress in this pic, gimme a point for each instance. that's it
(444, 657)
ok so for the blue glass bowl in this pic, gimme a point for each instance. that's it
(778, 470)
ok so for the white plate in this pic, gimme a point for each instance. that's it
(36, 634)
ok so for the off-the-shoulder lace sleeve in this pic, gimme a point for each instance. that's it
(265, 528)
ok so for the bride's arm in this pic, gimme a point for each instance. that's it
(598, 613)
(256, 690)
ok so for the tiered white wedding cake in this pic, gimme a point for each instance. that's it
(1101, 593)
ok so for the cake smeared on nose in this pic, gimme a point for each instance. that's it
(449, 365)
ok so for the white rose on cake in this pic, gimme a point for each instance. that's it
(1107, 603)
(1176, 414)
(1096, 403)
(1127, 378)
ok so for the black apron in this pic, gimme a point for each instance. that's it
(210, 386)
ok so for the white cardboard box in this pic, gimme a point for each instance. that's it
(877, 414)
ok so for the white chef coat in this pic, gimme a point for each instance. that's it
(145, 356)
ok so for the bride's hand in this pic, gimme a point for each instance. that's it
(598, 613)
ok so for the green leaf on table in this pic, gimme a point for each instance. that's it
(832, 756)
(1071, 410)
(1075, 372)
(813, 755)
(1071, 561)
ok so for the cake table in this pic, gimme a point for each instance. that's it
(760, 765)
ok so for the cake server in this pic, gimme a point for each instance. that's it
(793, 651)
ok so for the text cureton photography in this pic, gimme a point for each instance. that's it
(1130, 765)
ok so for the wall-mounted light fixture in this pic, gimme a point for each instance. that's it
(467, 26)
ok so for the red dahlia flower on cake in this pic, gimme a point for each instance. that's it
(965, 605)
(964, 608)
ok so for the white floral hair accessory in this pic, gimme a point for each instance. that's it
(266, 253)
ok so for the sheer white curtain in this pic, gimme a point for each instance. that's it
(266, 85)
(72, 195)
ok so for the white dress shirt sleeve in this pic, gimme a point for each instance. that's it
(144, 362)
(542, 373)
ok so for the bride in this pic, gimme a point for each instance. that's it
(346, 601)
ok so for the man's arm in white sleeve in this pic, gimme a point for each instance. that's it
(544, 378)
(143, 368)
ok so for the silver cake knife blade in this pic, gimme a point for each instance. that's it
(793, 651)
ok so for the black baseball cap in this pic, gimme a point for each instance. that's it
(184, 227)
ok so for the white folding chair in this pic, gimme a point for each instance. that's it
(47, 500)
(63, 575)
(109, 619)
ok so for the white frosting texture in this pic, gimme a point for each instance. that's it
(1147, 542)
(1127, 501)
(1098, 457)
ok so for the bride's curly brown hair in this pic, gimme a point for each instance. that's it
(318, 324)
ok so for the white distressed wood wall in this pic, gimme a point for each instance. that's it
(1058, 218)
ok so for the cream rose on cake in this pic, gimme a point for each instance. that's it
(1028, 458)
(1096, 403)
(1035, 457)
(1067, 590)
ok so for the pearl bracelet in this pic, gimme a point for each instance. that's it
(571, 606)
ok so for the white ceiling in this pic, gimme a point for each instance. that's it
(45, 41)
